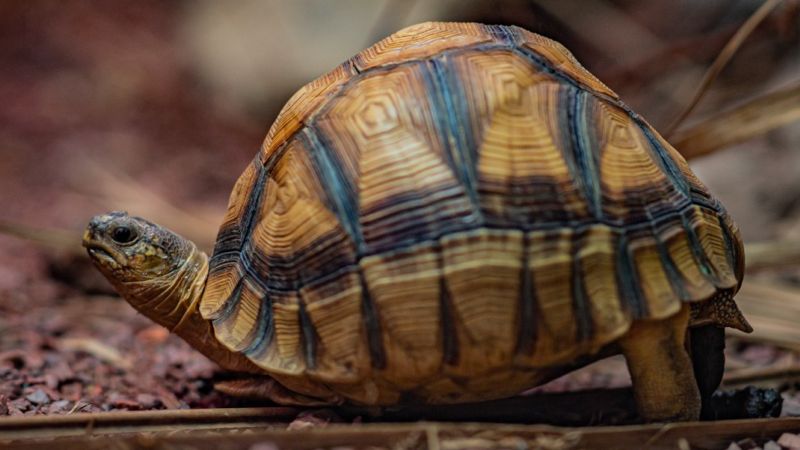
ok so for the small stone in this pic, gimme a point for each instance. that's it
(790, 441)
(59, 406)
(155, 334)
(18, 406)
(147, 401)
(734, 446)
(772, 445)
(313, 419)
(264, 446)
(72, 391)
(38, 397)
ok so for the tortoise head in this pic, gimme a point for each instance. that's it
(130, 249)
(157, 271)
(162, 275)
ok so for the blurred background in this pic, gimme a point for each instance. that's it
(156, 107)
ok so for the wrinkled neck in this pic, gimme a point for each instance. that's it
(167, 300)
(173, 301)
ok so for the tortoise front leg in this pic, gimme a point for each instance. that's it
(663, 379)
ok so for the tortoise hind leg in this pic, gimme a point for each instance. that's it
(707, 345)
(266, 388)
(663, 378)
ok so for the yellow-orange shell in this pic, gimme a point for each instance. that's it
(451, 213)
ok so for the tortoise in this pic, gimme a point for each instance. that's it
(458, 213)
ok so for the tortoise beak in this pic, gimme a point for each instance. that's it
(94, 240)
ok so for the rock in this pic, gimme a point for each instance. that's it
(38, 397)
(790, 441)
(59, 407)
(748, 403)
(772, 445)
(313, 419)
(264, 446)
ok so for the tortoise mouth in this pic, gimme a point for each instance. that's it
(101, 252)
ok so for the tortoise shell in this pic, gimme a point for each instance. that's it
(450, 213)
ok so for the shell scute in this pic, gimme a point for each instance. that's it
(335, 310)
(596, 260)
(303, 104)
(525, 174)
(421, 41)
(393, 159)
(479, 265)
(405, 287)
(561, 59)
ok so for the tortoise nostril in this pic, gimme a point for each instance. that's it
(95, 225)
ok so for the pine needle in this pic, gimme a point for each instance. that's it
(772, 254)
(773, 309)
(747, 121)
(112, 187)
(59, 239)
(723, 58)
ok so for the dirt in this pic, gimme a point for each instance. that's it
(64, 351)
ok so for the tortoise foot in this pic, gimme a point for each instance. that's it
(661, 370)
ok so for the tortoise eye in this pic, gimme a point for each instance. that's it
(123, 235)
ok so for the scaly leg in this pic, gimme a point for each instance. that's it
(663, 379)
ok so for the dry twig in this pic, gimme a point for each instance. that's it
(97, 349)
(772, 254)
(58, 239)
(773, 310)
(752, 119)
(723, 59)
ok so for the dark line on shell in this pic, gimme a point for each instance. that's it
(564, 141)
(584, 154)
(450, 350)
(667, 166)
(732, 251)
(230, 303)
(452, 121)
(699, 254)
(345, 201)
(503, 33)
(308, 334)
(240, 232)
(628, 281)
(580, 300)
(675, 279)
(544, 65)
(372, 326)
(265, 332)
(527, 330)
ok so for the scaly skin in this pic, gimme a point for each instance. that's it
(163, 276)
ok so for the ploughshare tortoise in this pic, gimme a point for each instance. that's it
(457, 213)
